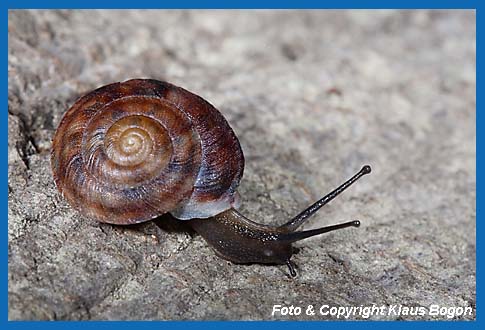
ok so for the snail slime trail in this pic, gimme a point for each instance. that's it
(129, 152)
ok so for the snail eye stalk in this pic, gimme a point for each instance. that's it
(299, 235)
(300, 219)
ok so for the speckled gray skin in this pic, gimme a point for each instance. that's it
(312, 97)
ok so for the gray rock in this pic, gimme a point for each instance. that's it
(312, 95)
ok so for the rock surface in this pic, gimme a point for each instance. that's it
(312, 96)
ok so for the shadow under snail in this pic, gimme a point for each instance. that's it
(129, 152)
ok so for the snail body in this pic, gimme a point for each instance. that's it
(129, 152)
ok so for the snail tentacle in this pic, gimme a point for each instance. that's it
(301, 218)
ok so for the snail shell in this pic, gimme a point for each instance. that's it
(129, 152)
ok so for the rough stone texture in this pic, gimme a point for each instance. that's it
(312, 97)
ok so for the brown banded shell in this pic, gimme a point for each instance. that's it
(129, 152)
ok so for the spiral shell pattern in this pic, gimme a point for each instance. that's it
(129, 152)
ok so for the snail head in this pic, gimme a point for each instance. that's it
(240, 240)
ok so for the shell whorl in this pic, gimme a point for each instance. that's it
(129, 152)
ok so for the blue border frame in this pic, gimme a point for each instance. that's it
(245, 4)
(142, 4)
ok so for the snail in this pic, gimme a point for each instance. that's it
(129, 152)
